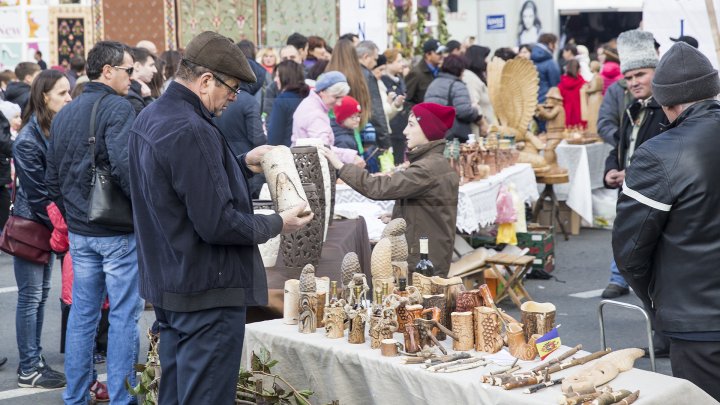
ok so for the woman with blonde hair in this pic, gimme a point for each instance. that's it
(344, 59)
(268, 58)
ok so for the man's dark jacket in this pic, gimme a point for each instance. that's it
(548, 69)
(377, 114)
(418, 80)
(68, 175)
(30, 149)
(6, 146)
(196, 233)
(18, 93)
(666, 238)
(135, 97)
(655, 121)
(279, 125)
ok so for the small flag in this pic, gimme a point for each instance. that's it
(548, 343)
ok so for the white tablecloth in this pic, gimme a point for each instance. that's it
(586, 165)
(357, 374)
(476, 200)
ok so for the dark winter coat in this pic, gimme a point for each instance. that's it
(18, 93)
(426, 195)
(279, 126)
(612, 109)
(548, 69)
(68, 176)
(654, 122)
(135, 97)
(666, 238)
(30, 150)
(449, 90)
(6, 145)
(377, 114)
(418, 81)
(196, 232)
(344, 137)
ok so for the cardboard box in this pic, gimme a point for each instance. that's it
(541, 242)
(569, 218)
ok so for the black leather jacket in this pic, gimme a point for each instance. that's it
(30, 149)
(666, 238)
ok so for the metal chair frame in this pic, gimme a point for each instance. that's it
(648, 325)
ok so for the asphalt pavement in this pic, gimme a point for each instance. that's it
(582, 271)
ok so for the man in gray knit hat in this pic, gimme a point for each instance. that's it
(642, 120)
(666, 238)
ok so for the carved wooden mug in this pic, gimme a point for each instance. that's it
(390, 347)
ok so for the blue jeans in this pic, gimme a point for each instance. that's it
(615, 276)
(100, 265)
(33, 282)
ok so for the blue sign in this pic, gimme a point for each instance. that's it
(495, 22)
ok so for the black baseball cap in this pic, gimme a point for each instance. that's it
(433, 45)
(687, 39)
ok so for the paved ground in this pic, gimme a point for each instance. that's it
(582, 263)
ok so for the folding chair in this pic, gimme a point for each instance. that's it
(515, 267)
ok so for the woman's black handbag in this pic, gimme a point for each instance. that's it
(107, 204)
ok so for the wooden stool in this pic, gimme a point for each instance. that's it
(549, 192)
(514, 278)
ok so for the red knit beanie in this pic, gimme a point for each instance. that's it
(434, 119)
(347, 107)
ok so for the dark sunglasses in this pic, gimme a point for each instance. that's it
(235, 90)
(129, 70)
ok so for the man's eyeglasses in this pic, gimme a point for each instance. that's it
(129, 70)
(235, 90)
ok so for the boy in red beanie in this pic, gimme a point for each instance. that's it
(426, 193)
(346, 123)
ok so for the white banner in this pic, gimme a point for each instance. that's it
(367, 19)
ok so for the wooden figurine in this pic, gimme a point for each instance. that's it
(519, 347)
(462, 327)
(553, 113)
(357, 316)
(468, 300)
(334, 322)
(283, 179)
(291, 299)
(382, 327)
(593, 99)
(350, 266)
(381, 264)
(537, 318)
(487, 330)
(307, 320)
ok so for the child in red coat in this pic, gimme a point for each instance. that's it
(570, 84)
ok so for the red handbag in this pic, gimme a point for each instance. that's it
(24, 238)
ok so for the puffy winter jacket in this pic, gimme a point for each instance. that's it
(548, 69)
(344, 137)
(449, 90)
(18, 93)
(666, 238)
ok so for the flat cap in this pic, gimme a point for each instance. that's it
(219, 54)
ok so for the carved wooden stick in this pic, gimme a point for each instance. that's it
(576, 362)
(629, 399)
(461, 367)
(542, 385)
(446, 359)
(609, 398)
(579, 399)
(450, 364)
(560, 358)
(521, 381)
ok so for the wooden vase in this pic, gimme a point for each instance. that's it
(291, 299)
(304, 246)
(487, 330)
(439, 302)
(334, 322)
(462, 326)
(537, 318)
(313, 168)
(468, 300)
(283, 179)
(356, 335)
(307, 318)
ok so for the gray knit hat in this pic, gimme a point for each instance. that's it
(684, 75)
(636, 50)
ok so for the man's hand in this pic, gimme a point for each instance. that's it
(615, 178)
(398, 101)
(254, 157)
(331, 157)
(292, 221)
(144, 89)
(359, 162)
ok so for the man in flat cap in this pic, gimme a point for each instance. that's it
(196, 232)
(666, 238)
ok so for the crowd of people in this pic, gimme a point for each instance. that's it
(181, 136)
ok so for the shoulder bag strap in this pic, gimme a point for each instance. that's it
(92, 139)
(449, 100)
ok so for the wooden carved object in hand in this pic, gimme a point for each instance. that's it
(305, 245)
(537, 318)
(462, 326)
(487, 330)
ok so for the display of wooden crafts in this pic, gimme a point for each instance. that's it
(468, 300)
(350, 266)
(313, 168)
(381, 264)
(513, 88)
(462, 327)
(305, 245)
(395, 231)
(407, 312)
(579, 136)
(553, 113)
(382, 327)
(334, 321)
(537, 318)
(518, 346)
(307, 318)
(439, 302)
(283, 179)
(451, 288)
(291, 299)
(487, 330)
(602, 372)
(422, 283)
(358, 280)
(428, 330)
